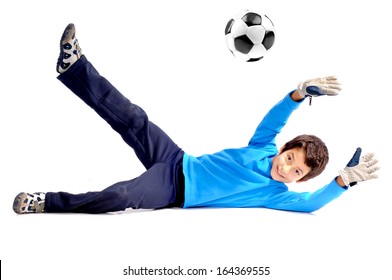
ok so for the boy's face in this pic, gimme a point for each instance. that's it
(289, 166)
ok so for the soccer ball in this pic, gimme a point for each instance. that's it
(249, 35)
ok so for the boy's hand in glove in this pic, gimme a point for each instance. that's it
(359, 169)
(319, 86)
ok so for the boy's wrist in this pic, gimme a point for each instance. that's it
(340, 181)
(296, 96)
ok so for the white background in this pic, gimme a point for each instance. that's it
(170, 58)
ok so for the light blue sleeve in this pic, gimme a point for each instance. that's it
(274, 121)
(306, 201)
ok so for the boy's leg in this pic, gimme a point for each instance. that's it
(150, 143)
(156, 188)
(160, 186)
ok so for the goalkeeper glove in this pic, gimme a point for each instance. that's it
(319, 86)
(359, 169)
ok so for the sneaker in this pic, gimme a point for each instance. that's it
(29, 203)
(70, 50)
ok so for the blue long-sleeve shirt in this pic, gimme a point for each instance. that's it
(242, 177)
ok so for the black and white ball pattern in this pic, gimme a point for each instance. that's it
(249, 35)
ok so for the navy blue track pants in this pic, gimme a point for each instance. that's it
(160, 186)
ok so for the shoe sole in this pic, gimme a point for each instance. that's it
(18, 203)
(68, 34)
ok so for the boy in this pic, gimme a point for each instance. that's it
(252, 176)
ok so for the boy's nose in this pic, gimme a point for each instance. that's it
(286, 169)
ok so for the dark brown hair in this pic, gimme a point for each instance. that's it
(316, 153)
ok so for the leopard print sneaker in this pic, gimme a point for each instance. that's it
(29, 203)
(70, 50)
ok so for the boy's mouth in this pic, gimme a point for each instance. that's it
(279, 172)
